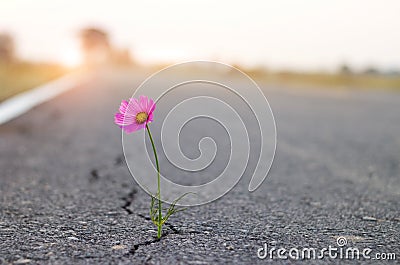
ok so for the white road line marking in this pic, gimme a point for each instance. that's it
(23, 102)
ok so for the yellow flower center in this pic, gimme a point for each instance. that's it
(141, 117)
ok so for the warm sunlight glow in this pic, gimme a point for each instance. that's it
(71, 58)
(166, 55)
(302, 35)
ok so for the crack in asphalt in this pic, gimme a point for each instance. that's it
(97, 172)
(119, 160)
(146, 243)
(133, 250)
(94, 175)
(174, 230)
(170, 226)
(128, 199)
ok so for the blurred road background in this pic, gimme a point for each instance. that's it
(330, 72)
(67, 195)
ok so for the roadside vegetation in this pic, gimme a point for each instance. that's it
(339, 80)
(21, 76)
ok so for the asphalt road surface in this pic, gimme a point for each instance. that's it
(66, 195)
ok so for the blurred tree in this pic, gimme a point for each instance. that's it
(96, 46)
(7, 48)
(345, 69)
(121, 57)
(98, 50)
(371, 71)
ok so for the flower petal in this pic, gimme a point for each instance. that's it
(134, 106)
(143, 101)
(123, 107)
(150, 117)
(121, 119)
(151, 106)
(130, 128)
(126, 117)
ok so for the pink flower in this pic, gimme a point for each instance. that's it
(135, 114)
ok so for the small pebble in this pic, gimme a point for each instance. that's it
(369, 218)
(230, 247)
(22, 261)
(315, 204)
(118, 247)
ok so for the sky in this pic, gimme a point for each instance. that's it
(284, 34)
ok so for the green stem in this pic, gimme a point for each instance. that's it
(158, 183)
